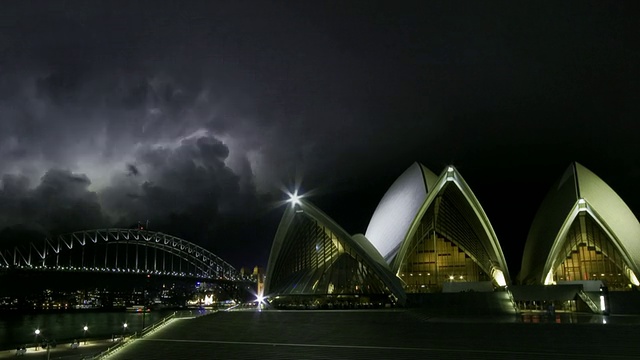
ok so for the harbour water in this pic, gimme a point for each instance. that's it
(63, 327)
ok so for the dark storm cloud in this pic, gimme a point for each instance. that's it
(189, 114)
(184, 189)
(132, 170)
(61, 202)
(110, 93)
(100, 79)
(176, 180)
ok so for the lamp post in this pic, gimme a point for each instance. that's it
(85, 328)
(46, 344)
(124, 330)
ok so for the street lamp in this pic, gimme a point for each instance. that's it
(85, 328)
(124, 330)
(46, 343)
(48, 350)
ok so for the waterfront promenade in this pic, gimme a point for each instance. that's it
(372, 334)
(387, 334)
(93, 347)
(61, 351)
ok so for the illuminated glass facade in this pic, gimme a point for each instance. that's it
(315, 260)
(430, 231)
(450, 243)
(435, 261)
(589, 254)
(582, 231)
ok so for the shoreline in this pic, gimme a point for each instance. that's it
(91, 346)
(20, 311)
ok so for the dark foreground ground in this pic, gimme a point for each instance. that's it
(384, 334)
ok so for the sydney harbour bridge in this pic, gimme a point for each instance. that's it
(121, 252)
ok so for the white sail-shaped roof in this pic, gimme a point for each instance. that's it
(487, 247)
(398, 208)
(578, 190)
(302, 225)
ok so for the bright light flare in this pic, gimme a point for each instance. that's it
(294, 198)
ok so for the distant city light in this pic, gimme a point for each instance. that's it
(208, 300)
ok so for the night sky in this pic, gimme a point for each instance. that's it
(195, 115)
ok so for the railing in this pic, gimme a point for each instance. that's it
(513, 301)
(590, 303)
(112, 349)
(149, 329)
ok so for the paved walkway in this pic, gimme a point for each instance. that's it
(85, 349)
(61, 351)
(392, 334)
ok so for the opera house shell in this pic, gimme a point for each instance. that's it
(583, 231)
(427, 234)
(315, 262)
(433, 233)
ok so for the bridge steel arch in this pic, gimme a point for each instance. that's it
(121, 251)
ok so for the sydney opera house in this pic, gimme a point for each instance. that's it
(430, 235)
